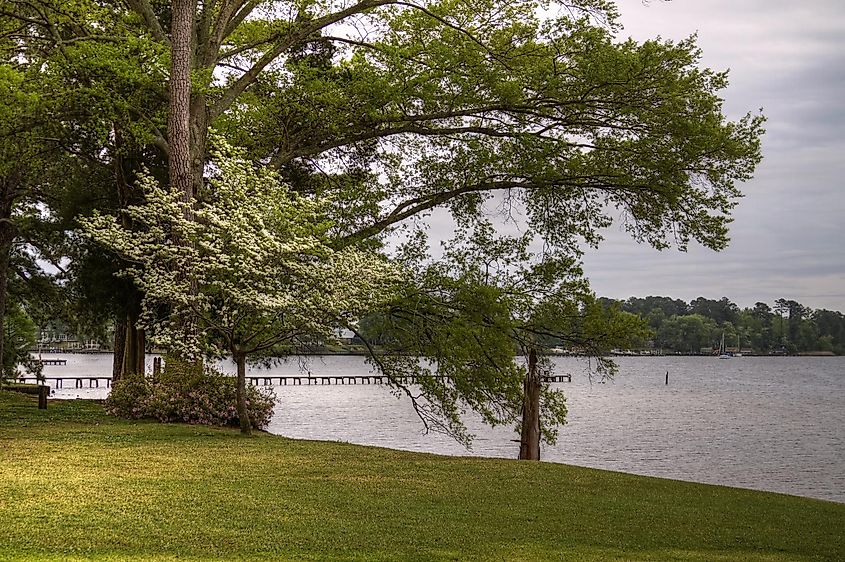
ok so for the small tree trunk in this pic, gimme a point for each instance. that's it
(119, 349)
(134, 357)
(136, 341)
(240, 392)
(130, 348)
(8, 231)
(5, 257)
(199, 139)
(529, 447)
(140, 351)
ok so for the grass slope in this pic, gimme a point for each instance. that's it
(76, 484)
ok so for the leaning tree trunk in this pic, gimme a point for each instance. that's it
(240, 392)
(529, 447)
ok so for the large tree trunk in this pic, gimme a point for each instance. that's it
(179, 111)
(141, 351)
(130, 356)
(185, 116)
(119, 349)
(243, 415)
(529, 447)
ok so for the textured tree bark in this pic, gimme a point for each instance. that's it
(529, 447)
(243, 415)
(179, 112)
(185, 163)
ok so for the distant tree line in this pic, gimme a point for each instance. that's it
(787, 328)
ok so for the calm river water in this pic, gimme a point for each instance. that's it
(774, 424)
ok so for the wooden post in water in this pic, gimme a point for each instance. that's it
(667, 378)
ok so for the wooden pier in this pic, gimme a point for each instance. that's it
(268, 380)
(53, 361)
(79, 382)
(306, 380)
(320, 380)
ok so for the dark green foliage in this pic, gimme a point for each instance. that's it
(830, 328)
(667, 306)
(19, 335)
(789, 327)
(189, 393)
(719, 311)
(475, 314)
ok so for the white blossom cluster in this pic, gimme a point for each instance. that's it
(243, 267)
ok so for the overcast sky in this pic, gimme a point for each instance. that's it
(788, 238)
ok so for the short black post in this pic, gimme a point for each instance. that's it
(667, 378)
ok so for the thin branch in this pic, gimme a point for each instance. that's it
(457, 28)
(241, 84)
(242, 12)
(145, 10)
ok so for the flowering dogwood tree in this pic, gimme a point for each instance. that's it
(243, 269)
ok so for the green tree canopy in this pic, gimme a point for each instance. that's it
(396, 108)
(384, 111)
(484, 317)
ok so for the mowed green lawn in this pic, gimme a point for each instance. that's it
(76, 484)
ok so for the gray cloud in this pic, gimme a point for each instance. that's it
(787, 239)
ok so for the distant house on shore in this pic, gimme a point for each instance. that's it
(56, 336)
(345, 336)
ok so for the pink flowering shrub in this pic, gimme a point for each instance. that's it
(188, 393)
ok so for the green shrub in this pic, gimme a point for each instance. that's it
(19, 337)
(129, 396)
(189, 393)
